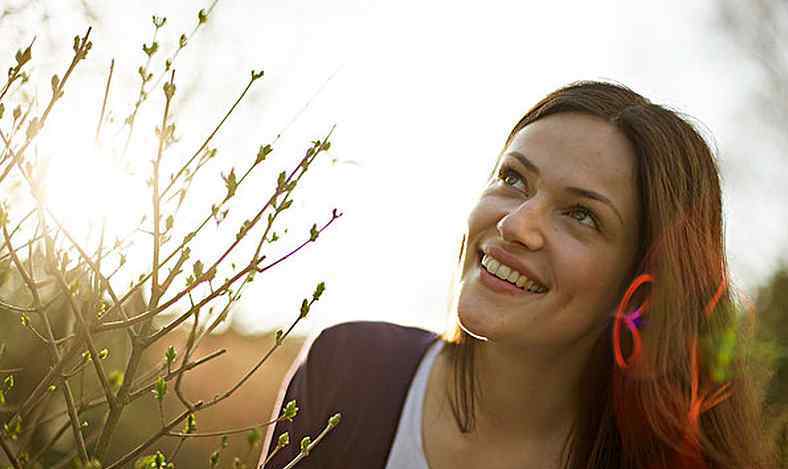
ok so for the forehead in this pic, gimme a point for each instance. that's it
(574, 149)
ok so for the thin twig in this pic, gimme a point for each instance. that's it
(104, 101)
(232, 431)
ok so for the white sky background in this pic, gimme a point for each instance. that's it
(423, 95)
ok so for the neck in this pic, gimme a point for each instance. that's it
(528, 394)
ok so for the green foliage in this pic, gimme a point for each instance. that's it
(283, 440)
(69, 303)
(160, 388)
(290, 411)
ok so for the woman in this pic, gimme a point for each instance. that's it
(594, 319)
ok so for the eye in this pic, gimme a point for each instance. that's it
(510, 177)
(584, 216)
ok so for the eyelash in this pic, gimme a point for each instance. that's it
(505, 170)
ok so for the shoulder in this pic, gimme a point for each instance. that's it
(363, 370)
(359, 349)
(372, 335)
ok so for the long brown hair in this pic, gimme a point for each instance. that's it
(671, 388)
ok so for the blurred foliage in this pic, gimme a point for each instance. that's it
(771, 340)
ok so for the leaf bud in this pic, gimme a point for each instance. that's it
(305, 442)
(202, 16)
(262, 153)
(191, 424)
(319, 289)
(160, 388)
(290, 411)
(253, 437)
(283, 440)
(334, 420)
(214, 459)
(304, 308)
(170, 355)
(169, 90)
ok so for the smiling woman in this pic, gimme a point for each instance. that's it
(603, 209)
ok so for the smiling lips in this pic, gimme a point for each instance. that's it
(504, 272)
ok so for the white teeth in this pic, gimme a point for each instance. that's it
(504, 272)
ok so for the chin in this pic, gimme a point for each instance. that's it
(474, 319)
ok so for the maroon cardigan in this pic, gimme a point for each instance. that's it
(364, 371)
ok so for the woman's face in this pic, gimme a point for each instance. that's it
(563, 211)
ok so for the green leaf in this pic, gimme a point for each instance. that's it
(103, 354)
(231, 183)
(160, 388)
(319, 289)
(290, 411)
(280, 181)
(182, 41)
(150, 50)
(304, 308)
(170, 221)
(313, 232)
(115, 379)
(169, 92)
(170, 355)
(305, 442)
(264, 151)
(191, 424)
(286, 205)
(253, 437)
(197, 269)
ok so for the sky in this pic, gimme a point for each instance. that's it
(422, 95)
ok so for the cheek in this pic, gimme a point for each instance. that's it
(592, 276)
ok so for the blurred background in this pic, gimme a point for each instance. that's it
(423, 95)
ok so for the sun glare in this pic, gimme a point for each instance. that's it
(87, 185)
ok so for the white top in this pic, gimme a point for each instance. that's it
(407, 451)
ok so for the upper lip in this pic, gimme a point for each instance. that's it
(512, 261)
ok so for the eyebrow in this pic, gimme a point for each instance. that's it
(585, 193)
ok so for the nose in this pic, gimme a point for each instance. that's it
(523, 225)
